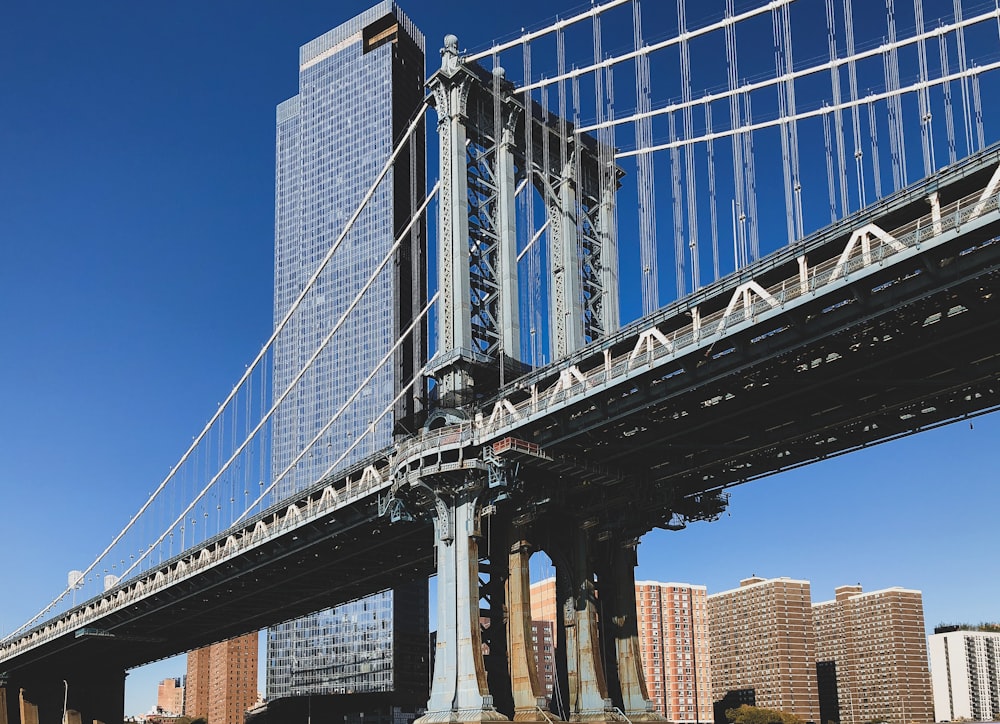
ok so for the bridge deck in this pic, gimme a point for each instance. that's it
(638, 430)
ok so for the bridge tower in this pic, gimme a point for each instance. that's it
(484, 132)
(493, 146)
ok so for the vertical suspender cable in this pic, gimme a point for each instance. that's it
(949, 113)
(689, 172)
(962, 66)
(923, 95)
(300, 374)
(977, 100)
(678, 206)
(712, 201)
(852, 79)
(794, 128)
(838, 119)
(735, 117)
(751, 181)
(644, 172)
(781, 88)
(830, 185)
(876, 166)
(895, 103)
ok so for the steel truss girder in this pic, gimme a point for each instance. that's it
(484, 251)
(689, 445)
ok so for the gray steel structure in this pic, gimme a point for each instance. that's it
(824, 359)
(359, 86)
(491, 144)
(788, 360)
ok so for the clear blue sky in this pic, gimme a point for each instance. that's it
(136, 232)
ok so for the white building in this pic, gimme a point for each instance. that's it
(965, 672)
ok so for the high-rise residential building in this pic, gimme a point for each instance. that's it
(196, 695)
(359, 86)
(965, 670)
(762, 639)
(222, 680)
(674, 643)
(872, 657)
(170, 696)
(544, 614)
(544, 644)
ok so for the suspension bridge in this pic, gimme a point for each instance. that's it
(869, 314)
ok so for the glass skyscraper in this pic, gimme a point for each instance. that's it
(359, 86)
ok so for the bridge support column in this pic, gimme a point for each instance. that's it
(529, 697)
(510, 317)
(459, 690)
(493, 593)
(588, 699)
(451, 87)
(620, 628)
(28, 710)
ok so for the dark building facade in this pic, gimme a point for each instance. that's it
(359, 86)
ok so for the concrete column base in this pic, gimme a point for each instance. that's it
(461, 716)
(459, 690)
(621, 634)
(529, 699)
(539, 714)
(646, 716)
(602, 716)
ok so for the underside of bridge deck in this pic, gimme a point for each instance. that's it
(902, 351)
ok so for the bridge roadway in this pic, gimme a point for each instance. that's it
(856, 335)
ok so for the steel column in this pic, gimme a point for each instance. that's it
(610, 315)
(29, 711)
(451, 87)
(588, 690)
(459, 691)
(510, 318)
(529, 697)
(565, 293)
(621, 625)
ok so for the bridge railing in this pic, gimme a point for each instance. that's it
(264, 527)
